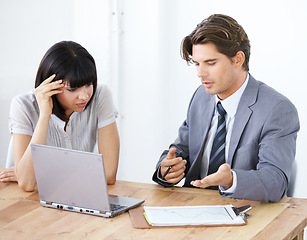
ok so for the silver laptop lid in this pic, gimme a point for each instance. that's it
(70, 177)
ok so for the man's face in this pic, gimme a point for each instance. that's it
(218, 73)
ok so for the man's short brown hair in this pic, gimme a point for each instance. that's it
(224, 32)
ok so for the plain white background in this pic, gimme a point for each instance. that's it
(136, 47)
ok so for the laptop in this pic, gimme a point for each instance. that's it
(75, 181)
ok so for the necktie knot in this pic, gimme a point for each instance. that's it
(220, 109)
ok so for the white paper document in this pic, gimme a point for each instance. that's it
(192, 215)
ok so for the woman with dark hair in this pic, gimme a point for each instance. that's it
(67, 109)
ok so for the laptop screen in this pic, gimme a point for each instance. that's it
(70, 177)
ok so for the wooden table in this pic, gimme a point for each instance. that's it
(22, 217)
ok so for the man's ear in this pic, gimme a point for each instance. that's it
(239, 59)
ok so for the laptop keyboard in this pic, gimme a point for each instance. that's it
(116, 207)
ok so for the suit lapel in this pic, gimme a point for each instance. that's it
(243, 115)
(207, 110)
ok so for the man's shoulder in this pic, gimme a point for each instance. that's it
(267, 97)
(200, 93)
(269, 93)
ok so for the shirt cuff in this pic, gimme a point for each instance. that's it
(232, 189)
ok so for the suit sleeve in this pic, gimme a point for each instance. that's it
(181, 144)
(277, 146)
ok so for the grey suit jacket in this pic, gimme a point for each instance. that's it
(262, 145)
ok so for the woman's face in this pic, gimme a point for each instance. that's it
(74, 99)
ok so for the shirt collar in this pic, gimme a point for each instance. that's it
(60, 122)
(231, 103)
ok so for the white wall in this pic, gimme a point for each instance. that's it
(27, 30)
(136, 46)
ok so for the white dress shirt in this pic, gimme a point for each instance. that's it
(230, 105)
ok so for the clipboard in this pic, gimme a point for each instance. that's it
(138, 221)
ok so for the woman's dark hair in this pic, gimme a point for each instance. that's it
(224, 32)
(70, 62)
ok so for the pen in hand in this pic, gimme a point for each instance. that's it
(167, 171)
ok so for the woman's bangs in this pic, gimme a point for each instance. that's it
(81, 75)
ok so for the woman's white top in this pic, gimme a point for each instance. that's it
(82, 129)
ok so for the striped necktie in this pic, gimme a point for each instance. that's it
(217, 156)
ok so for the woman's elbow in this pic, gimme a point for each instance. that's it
(111, 176)
(27, 187)
(111, 180)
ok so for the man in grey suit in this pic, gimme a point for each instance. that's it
(257, 126)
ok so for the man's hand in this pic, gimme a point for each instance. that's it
(8, 175)
(222, 177)
(176, 173)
